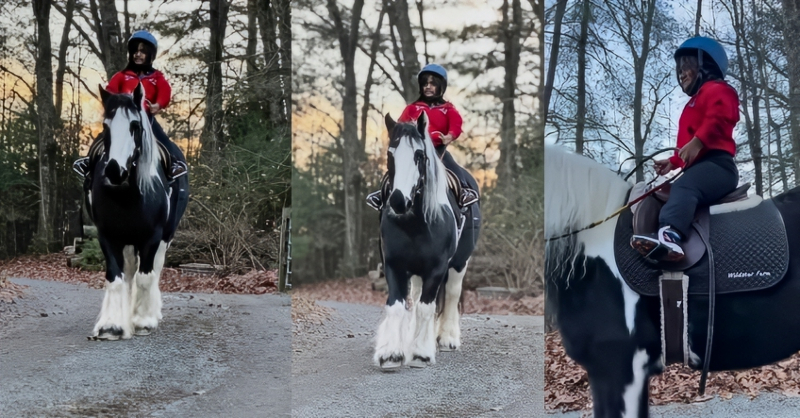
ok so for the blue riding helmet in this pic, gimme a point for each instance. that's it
(435, 69)
(711, 47)
(144, 35)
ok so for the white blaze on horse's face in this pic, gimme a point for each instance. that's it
(123, 144)
(406, 171)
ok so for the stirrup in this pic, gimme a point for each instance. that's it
(81, 166)
(178, 169)
(468, 196)
(374, 200)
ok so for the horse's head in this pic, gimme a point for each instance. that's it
(127, 139)
(414, 167)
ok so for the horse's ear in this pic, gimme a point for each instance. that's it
(422, 124)
(390, 123)
(104, 94)
(138, 96)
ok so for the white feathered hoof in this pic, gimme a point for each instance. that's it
(110, 334)
(449, 338)
(114, 321)
(448, 344)
(392, 362)
(419, 362)
(142, 331)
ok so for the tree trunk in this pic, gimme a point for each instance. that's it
(46, 120)
(109, 36)
(512, 22)
(62, 57)
(561, 8)
(580, 115)
(211, 139)
(352, 155)
(791, 33)
(267, 26)
(639, 68)
(284, 13)
(408, 64)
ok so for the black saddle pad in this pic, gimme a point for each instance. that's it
(750, 253)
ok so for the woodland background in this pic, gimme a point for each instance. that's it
(355, 61)
(611, 93)
(229, 64)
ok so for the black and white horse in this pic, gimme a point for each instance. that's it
(423, 255)
(136, 213)
(613, 332)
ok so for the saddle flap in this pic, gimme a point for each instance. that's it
(750, 248)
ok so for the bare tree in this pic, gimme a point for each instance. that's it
(511, 40)
(46, 122)
(212, 136)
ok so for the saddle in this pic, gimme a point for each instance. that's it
(750, 251)
(737, 246)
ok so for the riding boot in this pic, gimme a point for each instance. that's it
(468, 196)
(665, 246)
(177, 169)
(374, 200)
(81, 166)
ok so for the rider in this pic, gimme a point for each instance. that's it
(142, 48)
(444, 127)
(705, 144)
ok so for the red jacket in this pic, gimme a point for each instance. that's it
(710, 116)
(442, 119)
(156, 87)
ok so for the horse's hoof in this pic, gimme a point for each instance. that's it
(391, 363)
(448, 347)
(448, 343)
(419, 362)
(141, 331)
(109, 334)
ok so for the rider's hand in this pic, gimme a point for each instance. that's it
(154, 108)
(663, 167)
(690, 151)
(446, 139)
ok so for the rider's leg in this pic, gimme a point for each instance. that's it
(469, 195)
(177, 162)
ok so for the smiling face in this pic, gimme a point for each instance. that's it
(140, 56)
(430, 86)
(688, 71)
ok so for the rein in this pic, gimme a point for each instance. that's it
(618, 211)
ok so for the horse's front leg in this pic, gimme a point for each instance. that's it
(114, 321)
(449, 327)
(423, 348)
(147, 299)
(394, 332)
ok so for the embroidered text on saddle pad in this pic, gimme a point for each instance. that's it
(750, 253)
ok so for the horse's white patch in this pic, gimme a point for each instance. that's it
(633, 392)
(597, 244)
(122, 146)
(449, 333)
(424, 345)
(115, 311)
(393, 334)
(406, 174)
(415, 290)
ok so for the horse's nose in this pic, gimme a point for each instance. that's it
(115, 173)
(399, 203)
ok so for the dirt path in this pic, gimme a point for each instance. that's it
(213, 355)
(497, 373)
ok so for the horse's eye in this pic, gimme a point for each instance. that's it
(418, 156)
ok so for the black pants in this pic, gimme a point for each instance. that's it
(466, 179)
(703, 184)
(161, 136)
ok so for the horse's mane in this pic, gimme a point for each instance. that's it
(148, 160)
(435, 185)
(578, 192)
